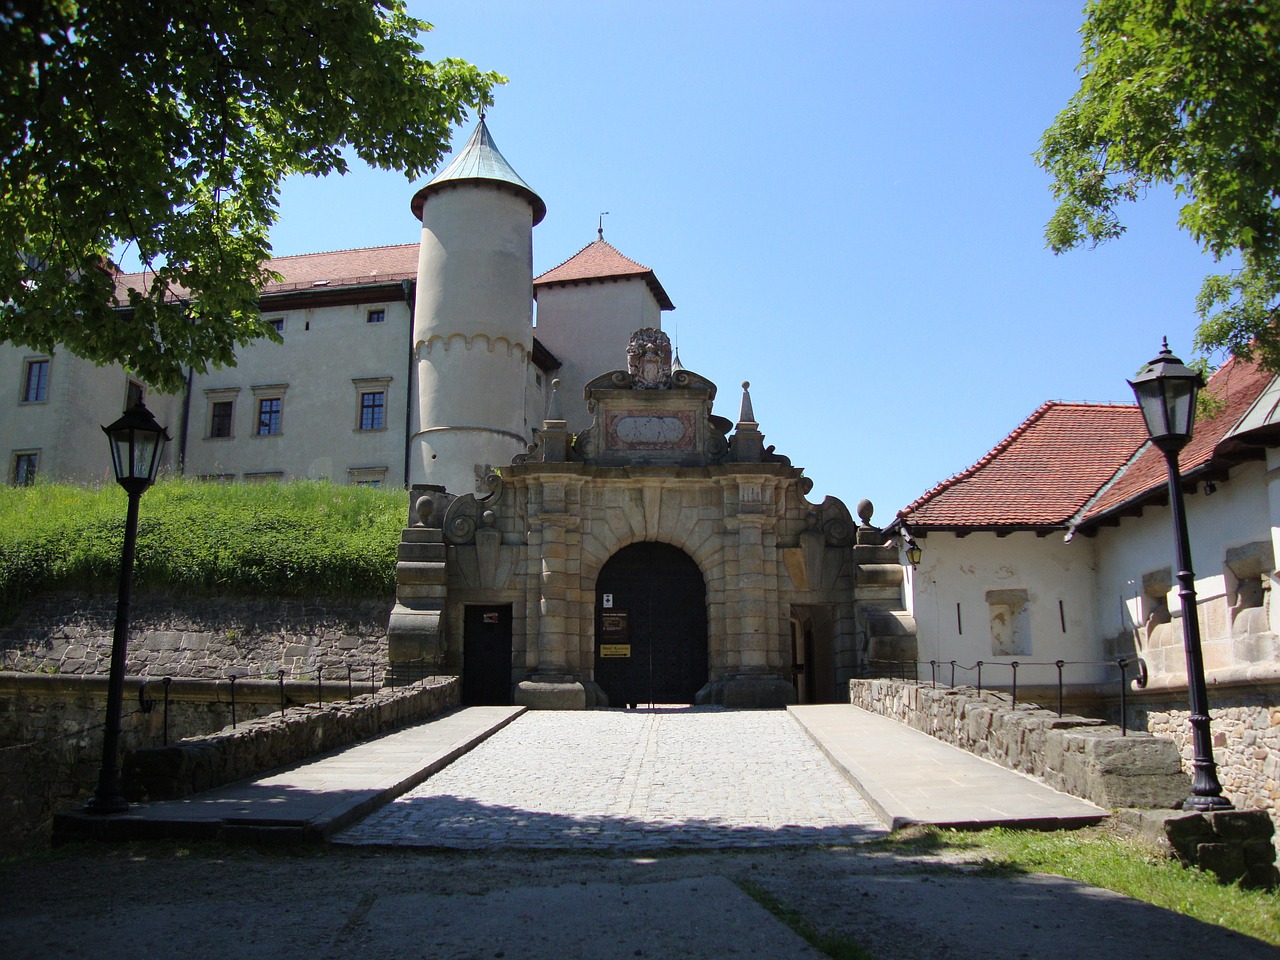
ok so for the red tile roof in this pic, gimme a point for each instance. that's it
(600, 260)
(1239, 384)
(334, 268)
(1040, 475)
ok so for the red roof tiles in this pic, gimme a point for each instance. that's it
(600, 260)
(1238, 384)
(1040, 475)
(1076, 463)
(334, 268)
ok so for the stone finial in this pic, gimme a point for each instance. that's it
(554, 412)
(675, 360)
(868, 533)
(423, 508)
(747, 415)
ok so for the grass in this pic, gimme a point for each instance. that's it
(276, 539)
(1100, 858)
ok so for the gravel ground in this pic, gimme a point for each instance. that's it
(165, 900)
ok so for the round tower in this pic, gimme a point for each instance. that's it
(473, 323)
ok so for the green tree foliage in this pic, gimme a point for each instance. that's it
(167, 127)
(1184, 93)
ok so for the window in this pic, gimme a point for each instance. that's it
(216, 477)
(220, 417)
(25, 463)
(35, 383)
(264, 476)
(371, 407)
(367, 476)
(269, 410)
(372, 410)
(133, 394)
(277, 324)
(375, 316)
(269, 399)
(220, 414)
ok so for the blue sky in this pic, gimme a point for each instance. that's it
(840, 199)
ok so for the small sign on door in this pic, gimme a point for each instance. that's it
(490, 618)
(607, 600)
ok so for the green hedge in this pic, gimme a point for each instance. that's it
(273, 539)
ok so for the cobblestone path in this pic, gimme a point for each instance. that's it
(682, 778)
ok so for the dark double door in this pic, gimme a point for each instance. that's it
(651, 626)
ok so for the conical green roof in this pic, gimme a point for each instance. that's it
(480, 161)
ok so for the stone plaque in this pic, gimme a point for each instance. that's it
(637, 430)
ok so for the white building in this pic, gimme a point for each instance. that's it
(414, 363)
(1058, 545)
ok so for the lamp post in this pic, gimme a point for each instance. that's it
(1166, 390)
(137, 442)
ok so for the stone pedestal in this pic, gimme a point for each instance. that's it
(747, 690)
(551, 692)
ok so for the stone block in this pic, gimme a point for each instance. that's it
(1186, 832)
(1242, 825)
(564, 694)
(1224, 860)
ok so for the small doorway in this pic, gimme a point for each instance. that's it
(486, 655)
(651, 626)
(813, 661)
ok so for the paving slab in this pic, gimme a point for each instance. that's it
(307, 800)
(907, 776)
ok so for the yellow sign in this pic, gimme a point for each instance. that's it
(615, 649)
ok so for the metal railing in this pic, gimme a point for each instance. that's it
(352, 685)
(911, 670)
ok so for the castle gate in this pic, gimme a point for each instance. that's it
(651, 626)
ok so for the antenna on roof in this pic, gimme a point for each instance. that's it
(600, 224)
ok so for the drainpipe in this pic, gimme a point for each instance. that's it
(186, 419)
(409, 293)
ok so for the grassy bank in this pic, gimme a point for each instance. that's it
(278, 539)
(1098, 857)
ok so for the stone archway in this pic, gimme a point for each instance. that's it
(651, 626)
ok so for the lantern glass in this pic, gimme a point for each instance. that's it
(137, 443)
(1166, 390)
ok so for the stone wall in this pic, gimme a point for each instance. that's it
(201, 763)
(1084, 757)
(200, 636)
(51, 735)
(1245, 723)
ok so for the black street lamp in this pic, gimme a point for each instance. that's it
(137, 442)
(1166, 390)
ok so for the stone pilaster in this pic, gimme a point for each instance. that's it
(552, 685)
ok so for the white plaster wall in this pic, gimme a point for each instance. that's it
(66, 428)
(960, 570)
(324, 349)
(1272, 480)
(475, 265)
(1239, 512)
(473, 335)
(587, 327)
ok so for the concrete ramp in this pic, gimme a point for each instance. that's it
(307, 800)
(909, 777)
